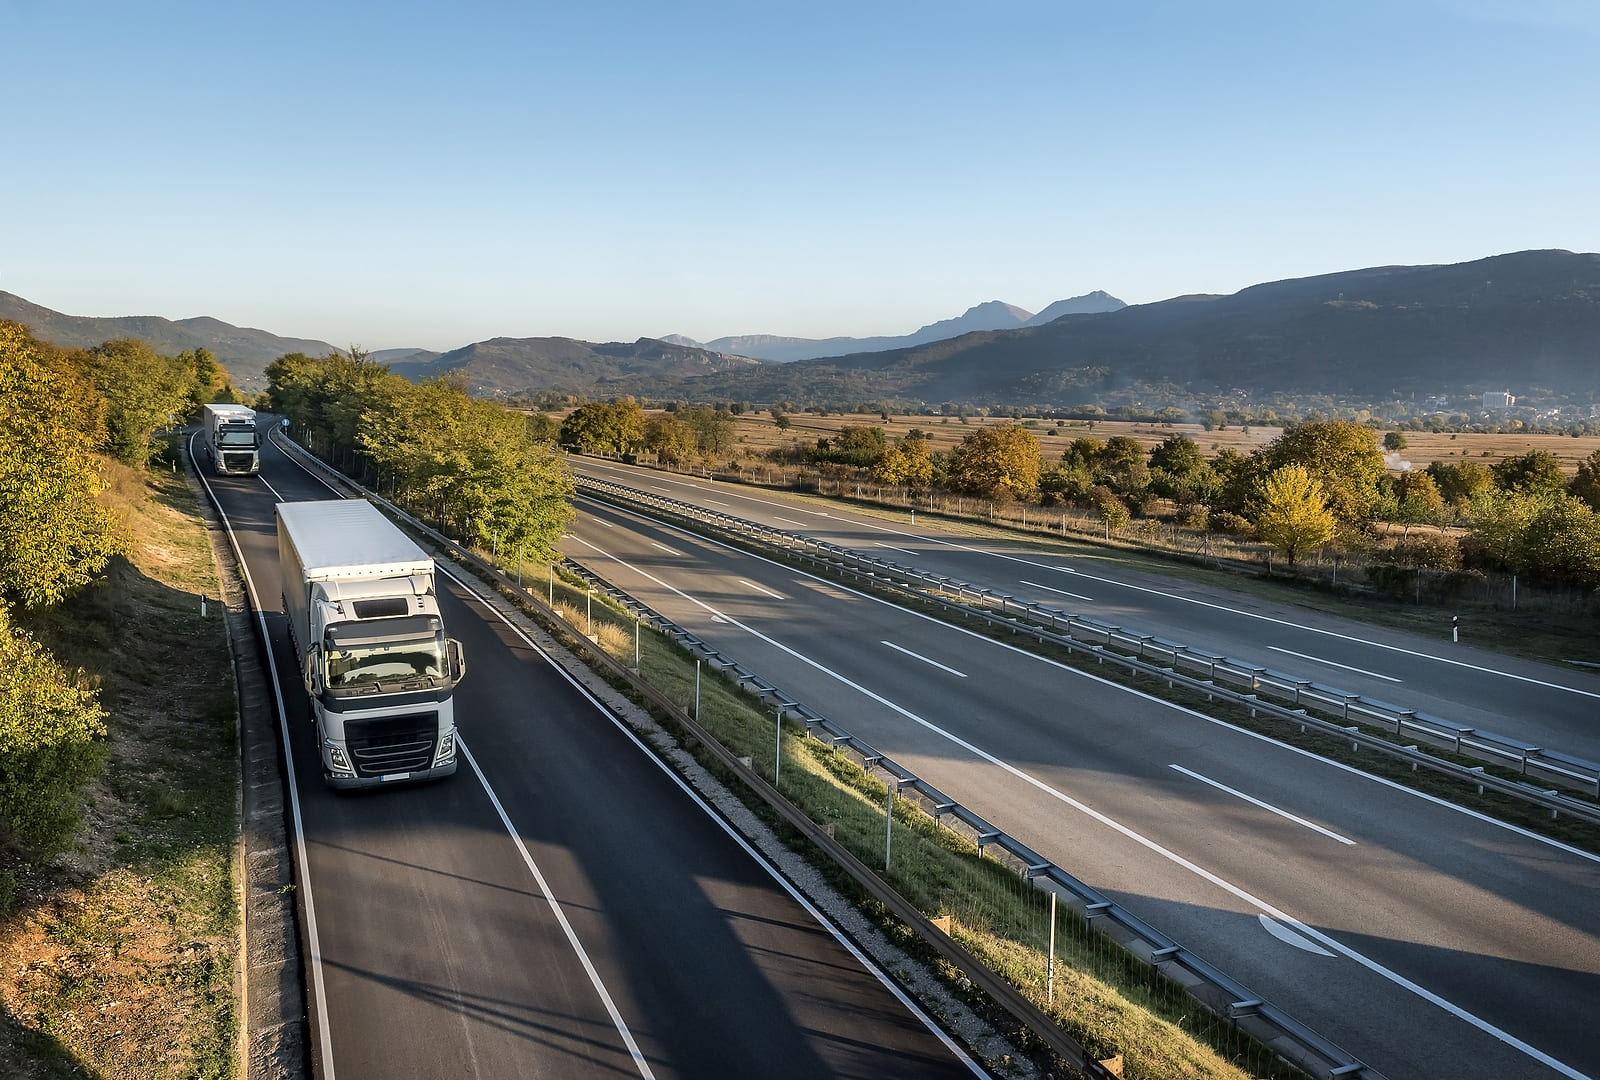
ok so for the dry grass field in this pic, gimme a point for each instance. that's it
(757, 434)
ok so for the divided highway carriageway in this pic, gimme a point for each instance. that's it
(562, 906)
(1422, 938)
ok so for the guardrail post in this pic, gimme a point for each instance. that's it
(1050, 964)
(697, 689)
(888, 825)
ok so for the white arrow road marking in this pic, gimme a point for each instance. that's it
(1289, 937)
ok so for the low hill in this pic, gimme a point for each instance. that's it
(503, 366)
(245, 352)
(1531, 318)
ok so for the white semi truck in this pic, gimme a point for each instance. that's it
(364, 623)
(231, 441)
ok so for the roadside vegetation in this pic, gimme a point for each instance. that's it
(118, 772)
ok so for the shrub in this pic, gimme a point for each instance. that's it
(1231, 524)
(51, 743)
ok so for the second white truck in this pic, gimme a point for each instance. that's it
(364, 623)
(231, 440)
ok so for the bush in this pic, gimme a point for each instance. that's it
(1232, 524)
(1428, 552)
(51, 744)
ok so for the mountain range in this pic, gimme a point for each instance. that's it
(993, 315)
(1524, 320)
(1520, 321)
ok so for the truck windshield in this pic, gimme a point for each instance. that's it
(406, 651)
(245, 438)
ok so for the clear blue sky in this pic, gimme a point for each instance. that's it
(432, 174)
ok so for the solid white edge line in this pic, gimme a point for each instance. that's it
(924, 659)
(1172, 856)
(733, 834)
(1334, 663)
(555, 907)
(1253, 801)
(313, 939)
(1289, 937)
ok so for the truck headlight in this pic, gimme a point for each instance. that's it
(447, 748)
(337, 756)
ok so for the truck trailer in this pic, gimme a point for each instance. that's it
(364, 624)
(231, 442)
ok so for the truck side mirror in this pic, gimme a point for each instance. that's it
(312, 666)
(458, 663)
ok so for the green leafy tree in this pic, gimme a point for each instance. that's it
(54, 534)
(51, 744)
(998, 461)
(1458, 482)
(1112, 510)
(1563, 541)
(1342, 455)
(1498, 522)
(1586, 485)
(143, 391)
(670, 439)
(1535, 471)
(1394, 440)
(713, 428)
(1292, 511)
(615, 427)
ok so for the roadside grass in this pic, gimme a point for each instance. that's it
(120, 956)
(1111, 1005)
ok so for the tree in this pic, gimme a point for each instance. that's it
(1001, 461)
(1293, 514)
(1499, 522)
(615, 427)
(1341, 455)
(1563, 541)
(1459, 482)
(143, 390)
(909, 464)
(1586, 485)
(670, 439)
(51, 727)
(1535, 471)
(1394, 440)
(713, 428)
(54, 534)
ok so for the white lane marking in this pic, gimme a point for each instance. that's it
(1253, 801)
(1332, 663)
(924, 659)
(663, 547)
(561, 916)
(1145, 842)
(714, 502)
(763, 589)
(602, 521)
(891, 547)
(1063, 592)
(815, 513)
(789, 521)
(1289, 937)
(743, 844)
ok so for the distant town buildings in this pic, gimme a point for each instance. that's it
(1499, 400)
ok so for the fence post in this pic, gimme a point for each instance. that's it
(888, 825)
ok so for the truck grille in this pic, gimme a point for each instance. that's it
(391, 744)
(236, 462)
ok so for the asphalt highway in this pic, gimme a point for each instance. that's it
(1426, 940)
(562, 906)
(1547, 705)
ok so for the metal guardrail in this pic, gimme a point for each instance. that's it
(1214, 674)
(1224, 996)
